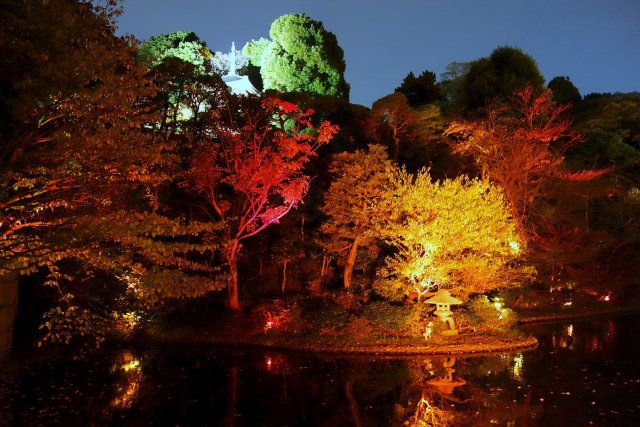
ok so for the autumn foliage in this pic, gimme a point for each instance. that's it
(250, 171)
(452, 234)
(520, 148)
(125, 187)
(353, 201)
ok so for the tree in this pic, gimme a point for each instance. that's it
(452, 234)
(417, 130)
(353, 199)
(249, 169)
(451, 84)
(74, 94)
(564, 92)
(521, 150)
(81, 169)
(420, 90)
(181, 45)
(394, 114)
(618, 114)
(300, 57)
(506, 70)
(183, 73)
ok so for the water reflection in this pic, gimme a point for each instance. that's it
(128, 369)
(599, 336)
(583, 372)
(471, 391)
(440, 389)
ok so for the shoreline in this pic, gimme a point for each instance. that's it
(466, 343)
(587, 313)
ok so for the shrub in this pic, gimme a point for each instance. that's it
(490, 313)
(397, 319)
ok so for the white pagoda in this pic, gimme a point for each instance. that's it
(239, 85)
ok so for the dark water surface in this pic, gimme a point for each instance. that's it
(584, 372)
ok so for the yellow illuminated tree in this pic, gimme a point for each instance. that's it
(354, 198)
(452, 234)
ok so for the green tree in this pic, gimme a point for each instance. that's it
(451, 84)
(615, 113)
(181, 45)
(183, 74)
(302, 56)
(353, 199)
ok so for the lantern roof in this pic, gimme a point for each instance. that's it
(443, 297)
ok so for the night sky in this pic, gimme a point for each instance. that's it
(596, 43)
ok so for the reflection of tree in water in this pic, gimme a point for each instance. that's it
(439, 396)
(366, 386)
(446, 399)
(127, 387)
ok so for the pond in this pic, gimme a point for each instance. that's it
(584, 372)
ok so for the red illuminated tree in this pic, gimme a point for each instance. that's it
(250, 169)
(521, 148)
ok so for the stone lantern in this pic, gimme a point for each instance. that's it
(443, 301)
(447, 383)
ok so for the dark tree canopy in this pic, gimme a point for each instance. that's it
(420, 90)
(618, 113)
(564, 91)
(506, 70)
(302, 56)
(182, 63)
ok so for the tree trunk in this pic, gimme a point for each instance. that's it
(353, 404)
(351, 260)
(325, 265)
(396, 144)
(232, 287)
(284, 274)
(232, 393)
(8, 308)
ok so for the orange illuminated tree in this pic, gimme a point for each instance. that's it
(81, 168)
(249, 168)
(520, 148)
(414, 135)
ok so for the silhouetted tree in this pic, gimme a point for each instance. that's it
(564, 92)
(506, 70)
(420, 90)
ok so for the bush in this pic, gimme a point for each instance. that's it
(278, 316)
(490, 313)
(323, 313)
(359, 328)
(397, 319)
